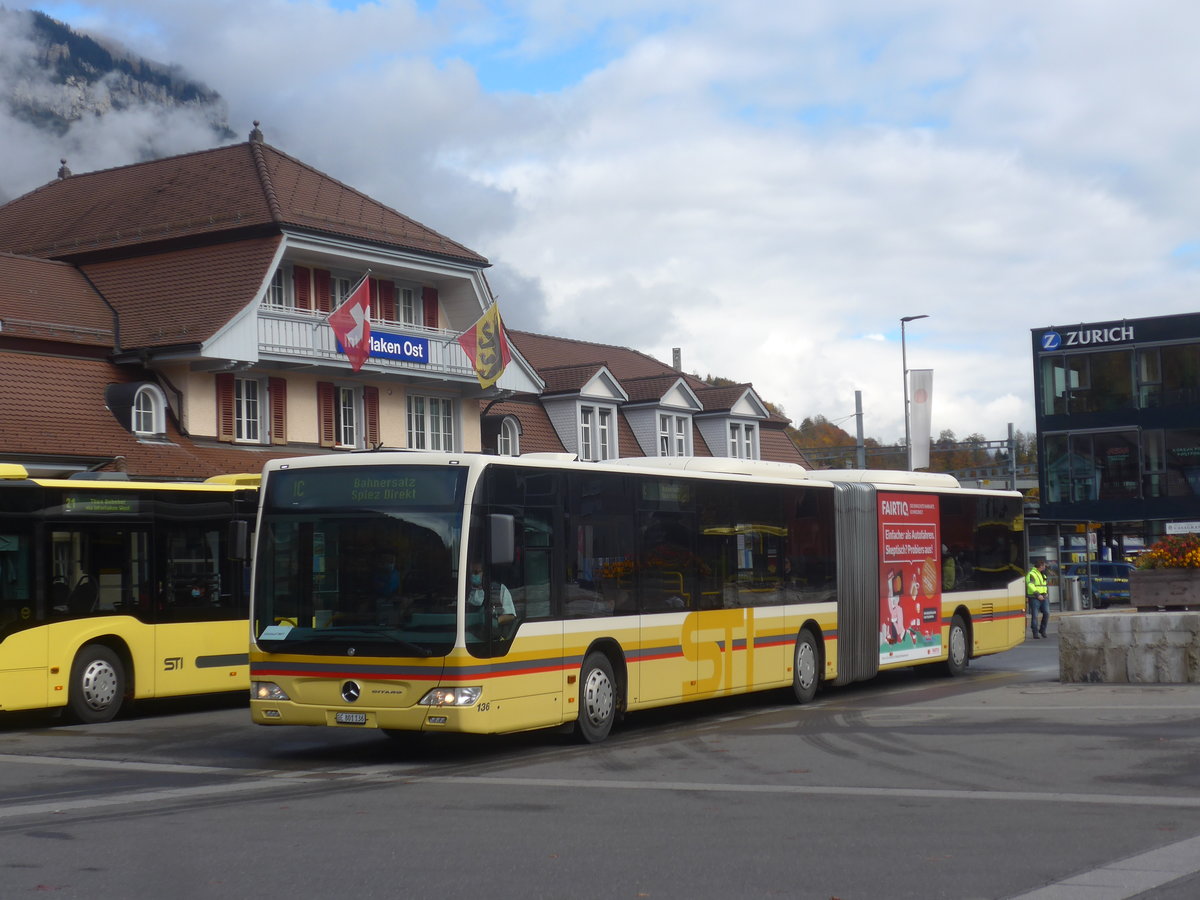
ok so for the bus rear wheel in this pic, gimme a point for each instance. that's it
(97, 687)
(806, 667)
(597, 699)
(957, 658)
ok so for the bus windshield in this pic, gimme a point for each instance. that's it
(375, 570)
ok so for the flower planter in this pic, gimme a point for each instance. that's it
(1169, 588)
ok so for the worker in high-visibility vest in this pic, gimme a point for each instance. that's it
(1036, 597)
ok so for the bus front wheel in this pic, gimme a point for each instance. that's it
(97, 686)
(597, 699)
(806, 669)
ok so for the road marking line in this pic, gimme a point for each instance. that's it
(1127, 877)
(817, 790)
(76, 763)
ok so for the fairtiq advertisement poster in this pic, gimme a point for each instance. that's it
(910, 578)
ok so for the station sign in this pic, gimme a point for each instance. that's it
(402, 348)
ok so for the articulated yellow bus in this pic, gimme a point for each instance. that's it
(428, 592)
(115, 590)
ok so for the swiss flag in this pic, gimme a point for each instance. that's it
(352, 325)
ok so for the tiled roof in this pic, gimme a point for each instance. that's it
(650, 387)
(546, 352)
(199, 195)
(52, 405)
(51, 301)
(568, 379)
(776, 446)
(718, 399)
(627, 444)
(183, 296)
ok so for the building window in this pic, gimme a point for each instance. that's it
(339, 290)
(508, 441)
(596, 434)
(1089, 466)
(346, 416)
(742, 443)
(149, 412)
(276, 291)
(673, 433)
(411, 312)
(430, 423)
(247, 410)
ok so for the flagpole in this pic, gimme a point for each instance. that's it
(324, 320)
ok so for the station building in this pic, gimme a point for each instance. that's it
(170, 319)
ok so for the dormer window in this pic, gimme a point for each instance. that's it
(597, 434)
(149, 417)
(674, 435)
(508, 441)
(743, 440)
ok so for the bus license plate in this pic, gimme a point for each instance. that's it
(345, 718)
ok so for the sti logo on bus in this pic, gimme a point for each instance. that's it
(172, 664)
(1086, 337)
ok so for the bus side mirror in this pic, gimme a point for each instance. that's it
(501, 539)
(239, 540)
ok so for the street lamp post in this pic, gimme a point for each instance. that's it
(904, 320)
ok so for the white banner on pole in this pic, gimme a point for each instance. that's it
(920, 420)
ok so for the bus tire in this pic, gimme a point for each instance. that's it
(806, 667)
(957, 656)
(97, 687)
(597, 699)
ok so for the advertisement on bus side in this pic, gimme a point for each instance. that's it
(910, 577)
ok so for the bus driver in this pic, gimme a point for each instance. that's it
(501, 604)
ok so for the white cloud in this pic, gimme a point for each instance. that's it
(768, 187)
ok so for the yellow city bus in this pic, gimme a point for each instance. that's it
(114, 590)
(429, 592)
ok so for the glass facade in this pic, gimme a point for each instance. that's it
(1117, 408)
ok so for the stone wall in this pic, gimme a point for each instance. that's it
(1130, 648)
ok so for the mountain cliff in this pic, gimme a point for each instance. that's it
(52, 77)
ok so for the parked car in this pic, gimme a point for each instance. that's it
(1101, 583)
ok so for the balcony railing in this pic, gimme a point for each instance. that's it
(306, 337)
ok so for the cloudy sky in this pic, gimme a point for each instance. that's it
(767, 186)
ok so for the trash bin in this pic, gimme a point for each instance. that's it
(1072, 594)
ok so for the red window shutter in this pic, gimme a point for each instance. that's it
(373, 289)
(371, 415)
(302, 286)
(277, 389)
(321, 282)
(429, 299)
(224, 406)
(325, 412)
(387, 301)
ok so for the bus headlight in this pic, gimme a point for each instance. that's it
(460, 696)
(267, 690)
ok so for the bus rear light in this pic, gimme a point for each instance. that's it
(461, 696)
(267, 690)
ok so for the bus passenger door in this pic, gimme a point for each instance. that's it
(200, 611)
(23, 643)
